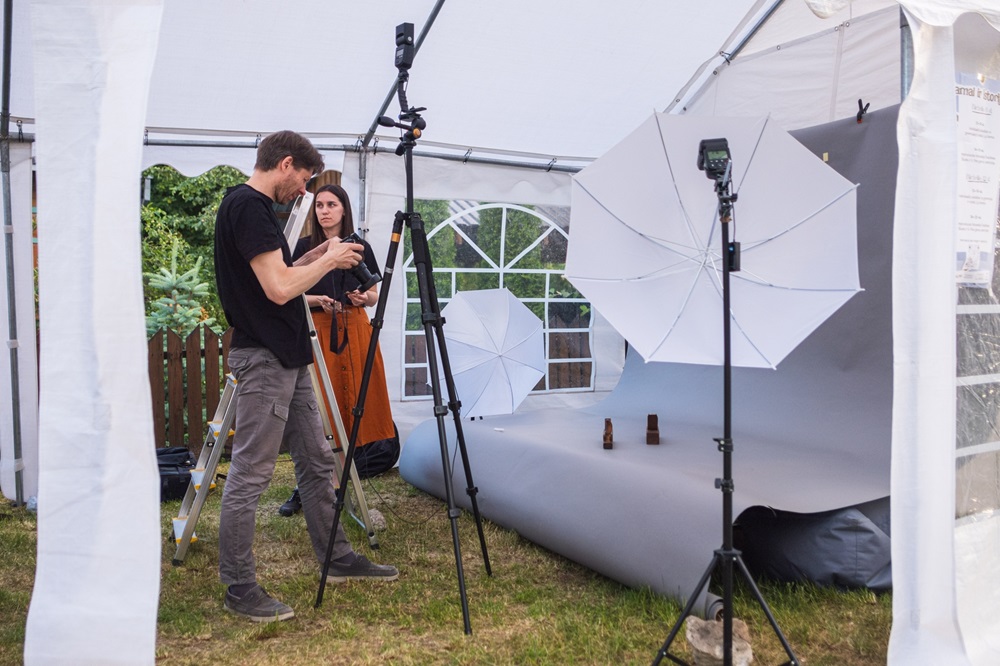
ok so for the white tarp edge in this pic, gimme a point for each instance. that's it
(98, 567)
(27, 366)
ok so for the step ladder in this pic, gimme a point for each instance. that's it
(220, 428)
(203, 474)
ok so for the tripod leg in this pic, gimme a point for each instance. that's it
(456, 409)
(692, 600)
(431, 316)
(792, 660)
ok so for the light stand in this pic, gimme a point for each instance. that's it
(412, 125)
(714, 159)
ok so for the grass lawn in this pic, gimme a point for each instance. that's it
(537, 608)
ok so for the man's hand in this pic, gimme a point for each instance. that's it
(343, 255)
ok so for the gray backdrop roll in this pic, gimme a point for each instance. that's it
(811, 436)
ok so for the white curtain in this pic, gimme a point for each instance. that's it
(97, 575)
(942, 572)
(27, 367)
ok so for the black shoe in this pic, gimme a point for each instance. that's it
(258, 605)
(292, 506)
(362, 569)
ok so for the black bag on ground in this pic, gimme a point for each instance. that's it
(377, 457)
(176, 463)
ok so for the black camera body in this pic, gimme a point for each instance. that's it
(360, 272)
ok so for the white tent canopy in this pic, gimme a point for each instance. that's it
(546, 84)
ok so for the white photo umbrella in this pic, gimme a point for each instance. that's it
(496, 350)
(645, 242)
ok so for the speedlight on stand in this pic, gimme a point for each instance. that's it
(714, 159)
(412, 125)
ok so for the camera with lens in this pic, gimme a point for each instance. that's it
(360, 272)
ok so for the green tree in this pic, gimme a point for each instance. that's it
(179, 308)
(181, 213)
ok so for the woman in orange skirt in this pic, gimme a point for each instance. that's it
(344, 333)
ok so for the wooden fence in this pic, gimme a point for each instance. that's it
(186, 377)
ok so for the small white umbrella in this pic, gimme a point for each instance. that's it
(645, 244)
(496, 350)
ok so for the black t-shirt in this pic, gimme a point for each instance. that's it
(245, 227)
(337, 282)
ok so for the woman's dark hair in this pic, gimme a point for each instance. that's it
(346, 225)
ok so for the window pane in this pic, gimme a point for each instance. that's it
(415, 349)
(977, 480)
(522, 230)
(553, 248)
(443, 245)
(569, 345)
(416, 382)
(468, 254)
(526, 285)
(473, 281)
(978, 344)
(560, 287)
(569, 375)
(569, 315)
(412, 289)
(978, 411)
(432, 212)
(442, 283)
(488, 234)
(413, 319)
(538, 309)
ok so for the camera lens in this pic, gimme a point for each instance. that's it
(365, 278)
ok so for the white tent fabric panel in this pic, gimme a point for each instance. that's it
(24, 297)
(550, 78)
(944, 608)
(795, 19)
(98, 563)
(810, 78)
(925, 623)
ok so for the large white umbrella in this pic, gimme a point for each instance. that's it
(496, 350)
(645, 242)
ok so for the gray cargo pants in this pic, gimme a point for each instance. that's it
(274, 403)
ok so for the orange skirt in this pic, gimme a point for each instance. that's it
(347, 368)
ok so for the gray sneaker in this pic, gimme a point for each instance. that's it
(361, 569)
(258, 606)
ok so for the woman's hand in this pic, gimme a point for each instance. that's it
(325, 302)
(363, 300)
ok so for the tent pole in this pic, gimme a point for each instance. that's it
(8, 13)
(905, 55)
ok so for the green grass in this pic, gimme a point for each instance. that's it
(537, 608)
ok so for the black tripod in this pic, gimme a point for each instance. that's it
(412, 124)
(714, 159)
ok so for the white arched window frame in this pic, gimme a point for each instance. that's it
(566, 316)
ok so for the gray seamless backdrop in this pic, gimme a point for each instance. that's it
(810, 437)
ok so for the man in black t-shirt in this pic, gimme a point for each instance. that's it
(260, 291)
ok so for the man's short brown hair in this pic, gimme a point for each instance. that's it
(276, 147)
